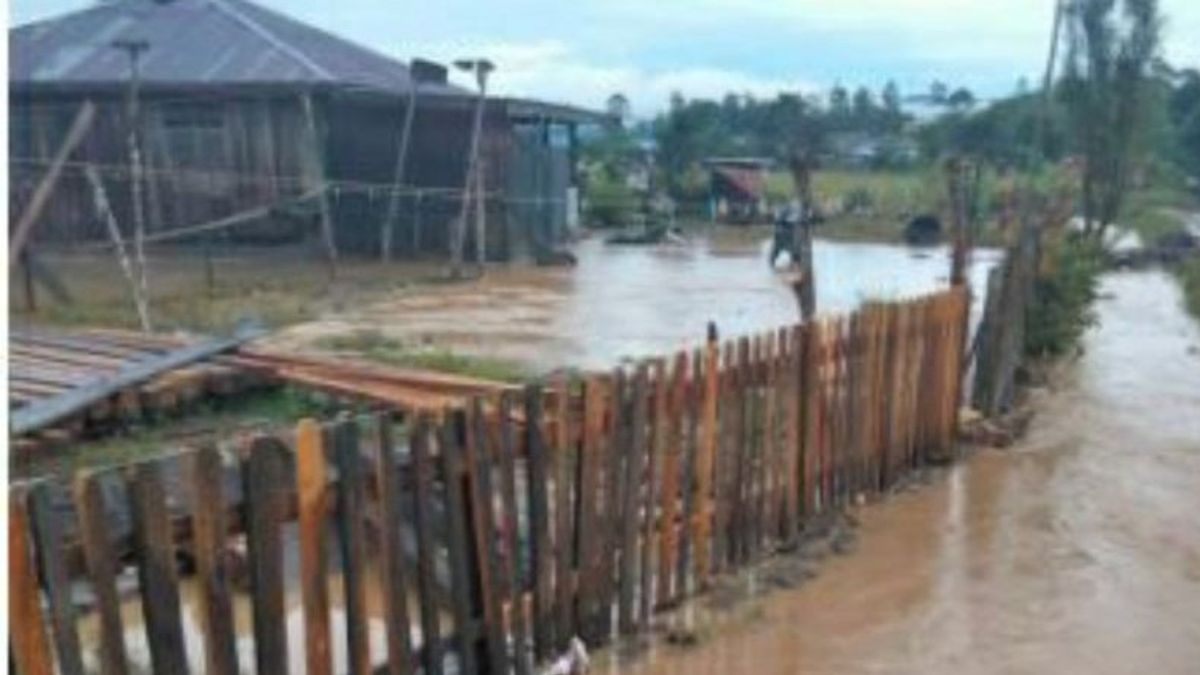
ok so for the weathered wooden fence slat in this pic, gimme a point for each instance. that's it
(312, 493)
(48, 529)
(101, 561)
(459, 539)
(427, 546)
(393, 567)
(28, 640)
(157, 577)
(265, 489)
(209, 529)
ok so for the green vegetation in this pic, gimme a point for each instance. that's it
(375, 346)
(1158, 210)
(610, 202)
(211, 422)
(1188, 273)
(278, 289)
(1061, 309)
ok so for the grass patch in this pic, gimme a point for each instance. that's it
(1188, 273)
(272, 410)
(374, 345)
(277, 288)
(1157, 210)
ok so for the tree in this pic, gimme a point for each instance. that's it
(1184, 110)
(839, 105)
(937, 92)
(893, 113)
(961, 99)
(864, 109)
(1111, 45)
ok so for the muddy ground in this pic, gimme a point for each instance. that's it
(1075, 551)
(625, 301)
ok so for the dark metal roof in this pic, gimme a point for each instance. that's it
(197, 43)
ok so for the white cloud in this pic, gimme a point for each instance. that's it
(551, 70)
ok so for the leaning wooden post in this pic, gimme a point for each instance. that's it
(704, 460)
(41, 194)
(480, 218)
(104, 211)
(315, 165)
(393, 208)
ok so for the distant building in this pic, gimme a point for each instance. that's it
(226, 86)
(864, 150)
(737, 188)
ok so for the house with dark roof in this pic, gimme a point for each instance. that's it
(245, 111)
(738, 188)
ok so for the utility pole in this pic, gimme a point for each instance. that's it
(134, 49)
(481, 68)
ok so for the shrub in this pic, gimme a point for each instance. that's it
(1061, 309)
(1188, 272)
(610, 202)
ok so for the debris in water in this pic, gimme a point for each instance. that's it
(574, 661)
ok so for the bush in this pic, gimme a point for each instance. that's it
(610, 202)
(1061, 309)
(1188, 272)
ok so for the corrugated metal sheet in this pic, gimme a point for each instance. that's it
(197, 43)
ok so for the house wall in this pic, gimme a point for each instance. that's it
(362, 142)
(213, 156)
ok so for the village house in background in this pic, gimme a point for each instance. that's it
(738, 189)
(244, 110)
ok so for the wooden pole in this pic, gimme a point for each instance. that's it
(386, 231)
(27, 282)
(704, 460)
(104, 211)
(481, 70)
(41, 194)
(134, 49)
(480, 219)
(316, 170)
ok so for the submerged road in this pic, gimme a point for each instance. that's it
(1077, 551)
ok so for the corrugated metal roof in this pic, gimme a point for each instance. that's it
(198, 42)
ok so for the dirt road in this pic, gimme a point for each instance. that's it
(1076, 552)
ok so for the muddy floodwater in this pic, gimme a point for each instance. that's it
(633, 301)
(1078, 551)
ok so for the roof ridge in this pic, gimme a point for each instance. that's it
(275, 41)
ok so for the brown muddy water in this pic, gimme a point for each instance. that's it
(632, 301)
(1077, 551)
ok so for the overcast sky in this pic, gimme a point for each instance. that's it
(581, 51)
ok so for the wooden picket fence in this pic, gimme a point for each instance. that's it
(485, 538)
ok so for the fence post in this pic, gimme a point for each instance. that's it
(27, 631)
(706, 447)
(313, 498)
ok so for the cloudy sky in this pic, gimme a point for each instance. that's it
(581, 51)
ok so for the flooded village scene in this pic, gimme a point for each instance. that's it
(603, 337)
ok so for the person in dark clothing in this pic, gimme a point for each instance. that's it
(785, 227)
